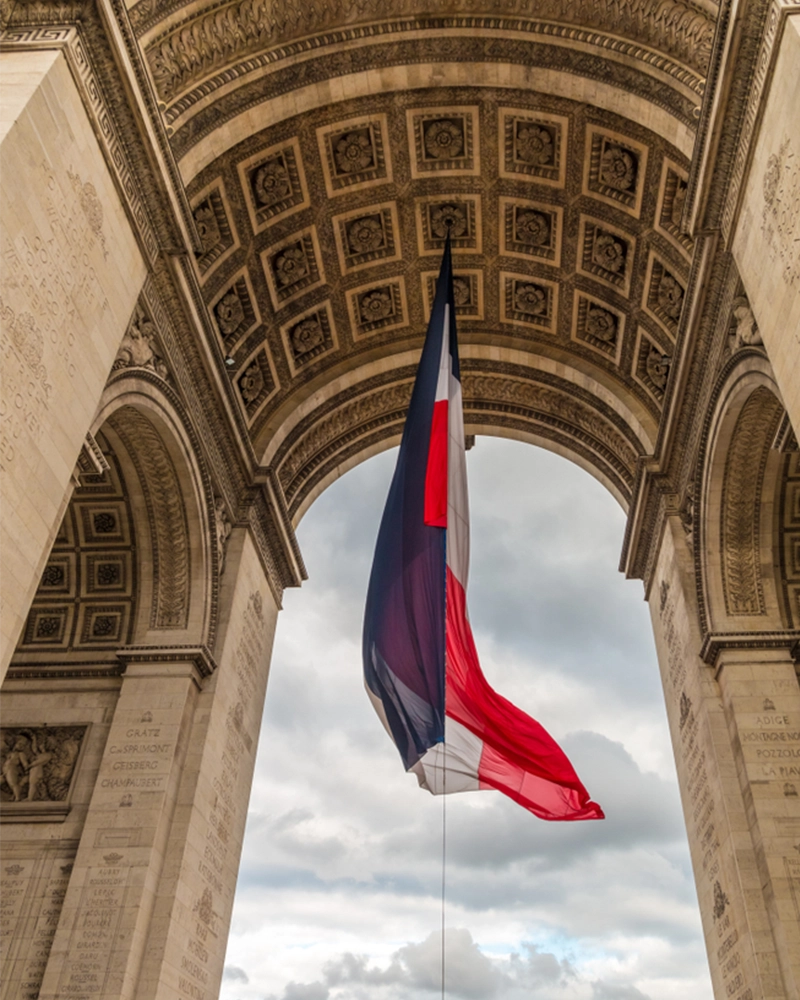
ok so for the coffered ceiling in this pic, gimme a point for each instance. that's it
(327, 148)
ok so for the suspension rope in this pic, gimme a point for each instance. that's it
(444, 857)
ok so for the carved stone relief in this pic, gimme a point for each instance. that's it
(140, 347)
(37, 766)
(200, 45)
(745, 331)
(222, 531)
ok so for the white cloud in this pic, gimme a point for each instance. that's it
(339, 894)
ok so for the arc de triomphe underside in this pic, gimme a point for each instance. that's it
(222, 221)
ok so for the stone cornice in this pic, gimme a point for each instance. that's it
(199, 656)
(715, 643)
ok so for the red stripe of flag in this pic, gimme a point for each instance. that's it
(519, 758)
(436, 472)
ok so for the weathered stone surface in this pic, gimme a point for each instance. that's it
(215, 282)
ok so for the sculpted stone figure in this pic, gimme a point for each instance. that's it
(15, 766)
(747, 331)
(38, 764)
(137, 349)
(223, 529)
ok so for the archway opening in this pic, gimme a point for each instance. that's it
(339, 888)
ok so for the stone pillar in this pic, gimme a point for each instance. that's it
(100, 941)
(70, 272)
(147, 909)
(761, 702)
(189, 926)
(743, 830)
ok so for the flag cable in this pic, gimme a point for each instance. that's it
(444, 772)
(444, 860)
(445, 333)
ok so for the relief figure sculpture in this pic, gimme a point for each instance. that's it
(38, 763)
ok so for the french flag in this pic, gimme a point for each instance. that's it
(421, 668)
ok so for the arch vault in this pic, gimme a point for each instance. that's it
(223, 221)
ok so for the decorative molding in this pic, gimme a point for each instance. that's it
(740, 536)
(165, 508)
(195, 116)
(715, 643)
(322, 441)
(228, 33)
(199, 656)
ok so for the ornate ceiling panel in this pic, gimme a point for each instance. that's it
(328, 150)
(322, 236)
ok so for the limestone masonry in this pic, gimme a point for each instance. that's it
(221, 225)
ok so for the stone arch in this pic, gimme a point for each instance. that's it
(135, 560)
(738, 552)
(508, 393)
(174, 505)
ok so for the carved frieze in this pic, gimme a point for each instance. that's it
(201, 44)
(37, 771)
(320, 444)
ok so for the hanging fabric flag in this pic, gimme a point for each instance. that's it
(421, 667)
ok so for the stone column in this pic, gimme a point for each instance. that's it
(100, 941)
(743, 831)
(189, 926)
(761, 701)
(149, 901)
(70, 272)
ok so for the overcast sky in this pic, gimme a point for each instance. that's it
(339, 895)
